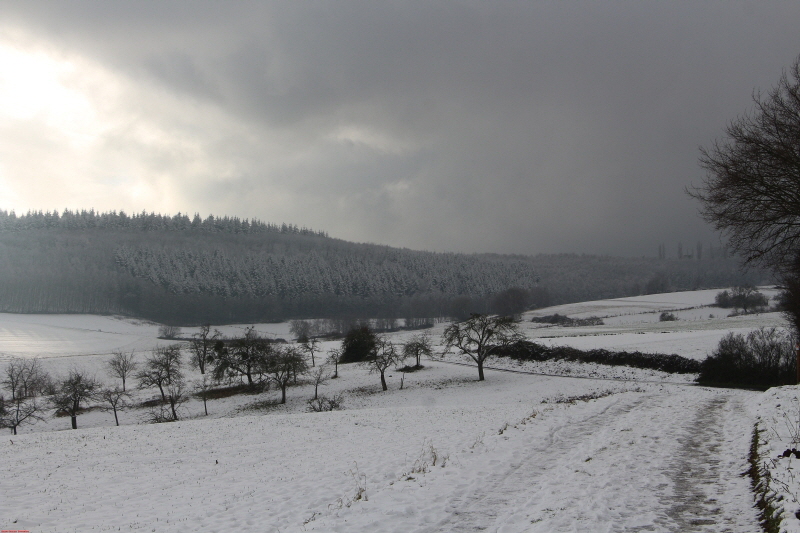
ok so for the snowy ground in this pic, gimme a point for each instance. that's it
(633, 324)
(778, 415)
(517, 452)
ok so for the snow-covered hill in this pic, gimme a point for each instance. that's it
(517, 452)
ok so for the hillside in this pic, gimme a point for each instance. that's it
(551, 446)
(186, 270)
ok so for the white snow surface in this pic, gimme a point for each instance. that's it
(778, 414)
(592, 449)
(632, 324)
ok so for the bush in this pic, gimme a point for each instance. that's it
(723, 299)
(324, 403)
(763, 359)
(744, 298)
(358, 345)
(530, 351)
(168, 332)
(667, 317)
(566, 321)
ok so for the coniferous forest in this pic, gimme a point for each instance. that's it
(188, 270)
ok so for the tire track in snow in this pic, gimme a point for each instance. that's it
(479, 511)
(642, 463)
(698, 482)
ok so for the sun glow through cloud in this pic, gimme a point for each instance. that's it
(553, 127)
(76, 134)
(37, 87)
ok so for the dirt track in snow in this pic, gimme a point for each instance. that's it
(656, 462)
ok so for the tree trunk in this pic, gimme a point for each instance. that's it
(74, 415)
(123, 385)
(163, 396)
(283, 393)
(115, 417)
(797, 361)
(383, 382)
(480, 370)
(205, 406)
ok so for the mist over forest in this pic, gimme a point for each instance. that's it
(187, 270)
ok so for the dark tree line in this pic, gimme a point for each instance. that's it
(86, 262)
(83, 219)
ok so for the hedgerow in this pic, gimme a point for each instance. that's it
(531, 351)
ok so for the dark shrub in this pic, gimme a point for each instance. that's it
(563, 320)
(763, 359)
(745, 298)
(667, 317)
(323, 403)
(358, 345)
(531, 351)
(723, 299)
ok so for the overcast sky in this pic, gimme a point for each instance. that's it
(512, 127)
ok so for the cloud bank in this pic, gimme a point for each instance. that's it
(511, 127)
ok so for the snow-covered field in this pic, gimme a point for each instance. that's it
(632, 324)
(595, 448)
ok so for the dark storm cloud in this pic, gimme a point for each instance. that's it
(471, 126)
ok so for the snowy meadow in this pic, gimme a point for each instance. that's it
(538, 446)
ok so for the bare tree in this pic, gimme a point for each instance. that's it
(386, 355)
(747, 298)
(73, 391)
(18, 411)
(319, 376)
(301, 329)
(310, 346)
(122, 365)
(243, 356)
(202, 388)
(161, 369)
(480, 337)
(418, 346)
(281, 365)
(24, 378)
(333, 359)
(168, 332)
(202, 347)
(176, 396)
(751, 190)
(116, 399)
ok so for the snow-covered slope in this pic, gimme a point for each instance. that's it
(517, 452)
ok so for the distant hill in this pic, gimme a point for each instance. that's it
(183, 270)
